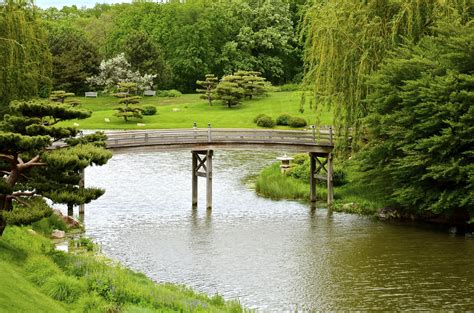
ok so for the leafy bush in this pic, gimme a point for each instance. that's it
(173, 93)
(283, 119)
(40, 269)
(149, 110)
(256, 118)
(266, 121)
(64, 288)
(297, 122)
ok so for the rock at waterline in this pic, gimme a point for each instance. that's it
(58, 234)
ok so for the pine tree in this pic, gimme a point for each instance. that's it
(33, 166)
(229, 90)
(208, 89)
(252, 83)
(126, 112)
(421, 125)
(61, 96)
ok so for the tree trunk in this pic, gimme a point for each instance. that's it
(5, 205)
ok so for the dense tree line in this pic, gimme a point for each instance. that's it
(180, 42)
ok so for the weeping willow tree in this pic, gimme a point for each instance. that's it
(25, 60)
(346, 40)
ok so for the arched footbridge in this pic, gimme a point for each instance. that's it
(202, 143)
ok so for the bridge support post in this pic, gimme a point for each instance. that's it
(195, 180)
(209, 179)
(202, 167)
(321, 162)
(312, 179)
(330, 198)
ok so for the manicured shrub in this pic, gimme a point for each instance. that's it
(40, 269)
(256, 118)
(297, 122)
(64, 288)
(169, 93)
(266, 121)
(149, 110)
(283, 119)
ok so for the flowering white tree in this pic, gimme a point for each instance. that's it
(116, 70)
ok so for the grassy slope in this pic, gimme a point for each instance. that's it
(19, 295)
(182, 111)
(26, 261)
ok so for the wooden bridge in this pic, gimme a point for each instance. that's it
(203, 142)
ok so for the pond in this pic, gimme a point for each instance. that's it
(271, 255)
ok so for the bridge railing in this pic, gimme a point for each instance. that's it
(219, 135)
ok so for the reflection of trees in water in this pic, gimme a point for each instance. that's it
(354, 263)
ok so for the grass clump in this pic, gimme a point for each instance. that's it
(64, 288)
(40, 269)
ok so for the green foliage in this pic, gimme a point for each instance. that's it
(283, 119)
(229, 90)
(346, 40)
(74, 56)
(25, 60)
(253, 84)
(26, 212)
(93, 303)
(420, 127)
(208, 89)
(40, 269)
(172, 93)
(127, 112)
(147, 57)
(46, 225)
(256, 118)
(149, 110)
(297, 122)
(30, 165)
(64, 288)
(60, 95)
(266, 121)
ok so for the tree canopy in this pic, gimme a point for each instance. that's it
(25, 61)
(420, 126)
(346, 40)
(32, 169)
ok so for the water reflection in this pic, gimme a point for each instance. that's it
(272, 255)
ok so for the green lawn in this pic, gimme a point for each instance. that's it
(182, 111)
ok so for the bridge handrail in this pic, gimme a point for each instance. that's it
(224, 135)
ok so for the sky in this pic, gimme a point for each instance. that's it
(79, 3)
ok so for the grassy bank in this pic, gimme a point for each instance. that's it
(350, 195)
(181, 112)
(37, 278)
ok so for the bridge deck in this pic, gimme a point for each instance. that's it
(210, 139)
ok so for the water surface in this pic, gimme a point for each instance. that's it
(271, 255)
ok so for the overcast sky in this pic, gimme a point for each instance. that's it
(79, 3)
